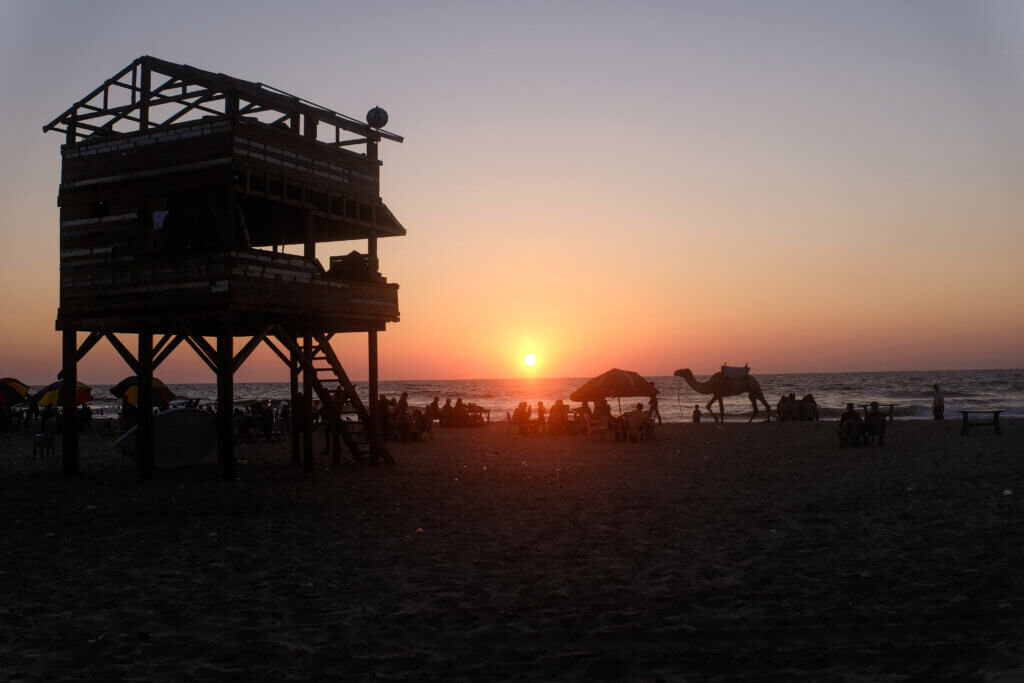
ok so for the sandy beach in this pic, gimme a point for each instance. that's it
(742, 552)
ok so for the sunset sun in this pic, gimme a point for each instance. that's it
(530, 360)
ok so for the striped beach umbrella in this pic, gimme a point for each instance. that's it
(12, 392)
(128, 389)
(52, 395)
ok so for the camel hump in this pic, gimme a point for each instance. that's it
(735, 370)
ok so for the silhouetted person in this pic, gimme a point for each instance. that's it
(129, 416)
(653, 405)
(433, 410)
(875, 425)
(785, 409)
(460, 418)
(84, 418)
(447, 413)
(383, 417)
(521, 417)
(267, 420)
(696, 413)
(851, 427)
(540, 416)
(938, 402)
(285, 413)
(556, 420)
(808, 408)
(403, 403)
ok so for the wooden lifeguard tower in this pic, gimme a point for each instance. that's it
(180, 189)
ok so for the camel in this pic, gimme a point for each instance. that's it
(719, 385)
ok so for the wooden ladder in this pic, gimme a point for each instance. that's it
(338, 396)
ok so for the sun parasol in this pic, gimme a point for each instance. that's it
(51, 395)
(12, 392)
(615, 382)
(128, 389)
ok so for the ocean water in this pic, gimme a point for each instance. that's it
(910, 390)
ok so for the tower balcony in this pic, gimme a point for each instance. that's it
(202, 291)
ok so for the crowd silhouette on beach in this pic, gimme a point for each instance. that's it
(561, 419)
(398, 421)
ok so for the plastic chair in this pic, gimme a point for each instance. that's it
(595, 426)
(43, 443)
(637, 429)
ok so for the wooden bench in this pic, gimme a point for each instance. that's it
(968, 423)
(891, 406)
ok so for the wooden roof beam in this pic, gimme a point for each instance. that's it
(262, 92)
(71, 110)
(259, 96)
(195, 105)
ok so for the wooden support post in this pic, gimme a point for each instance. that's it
(146, 87)
(309, 250)
(69, 452)
(308, 381)
(225, 404)
(231, 104)
(371, 253)
(296, 425)
(372, 407)
(144, 435)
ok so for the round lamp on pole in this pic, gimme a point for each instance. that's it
(377, 117)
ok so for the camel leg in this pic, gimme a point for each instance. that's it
(767, 409)
(711, 410)
(753, 402)
(721, 408)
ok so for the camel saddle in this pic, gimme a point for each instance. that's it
(735, 371)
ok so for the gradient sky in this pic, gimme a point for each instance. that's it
(804, 186)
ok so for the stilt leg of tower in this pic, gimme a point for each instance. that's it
(308, 380)
(225, 405)
(144, 435)
(338, 395)
(374, 426)
(69, 450)
(295, 426)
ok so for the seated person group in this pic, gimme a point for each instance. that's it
(854, 431)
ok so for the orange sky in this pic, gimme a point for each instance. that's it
(802, 188)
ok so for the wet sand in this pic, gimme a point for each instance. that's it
(743, 552)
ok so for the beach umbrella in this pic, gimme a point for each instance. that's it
(12, 392)
(51, 395)
(128, 389)
(615, 382)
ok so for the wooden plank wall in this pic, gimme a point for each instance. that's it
(114, 263)
(250, 281)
